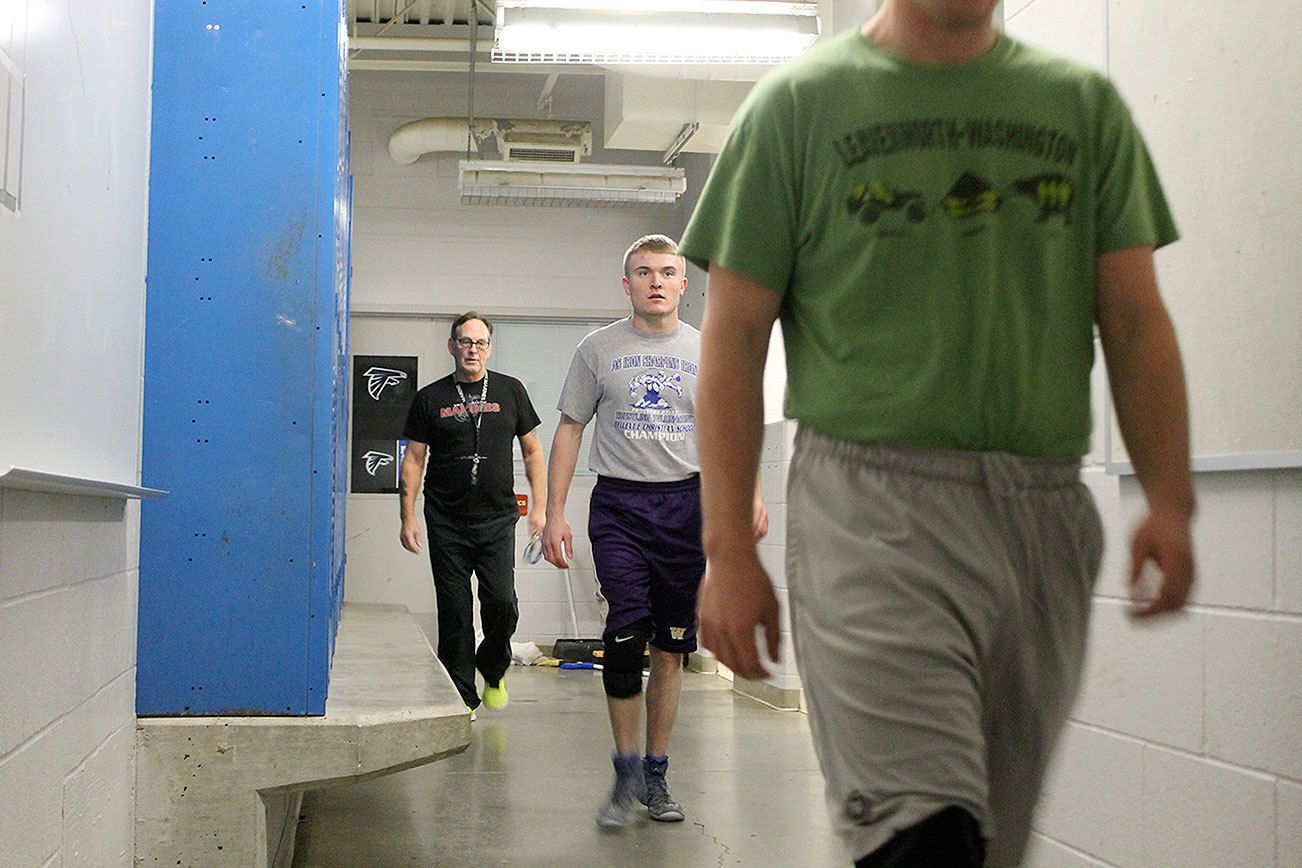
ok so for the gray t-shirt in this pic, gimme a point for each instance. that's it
(642, 389)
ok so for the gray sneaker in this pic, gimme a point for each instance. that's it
(659, 804)
(620, 808)
(655, 794)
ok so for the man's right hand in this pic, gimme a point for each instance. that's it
(1165, 540)
(558, 543)
(411, 535)
(736, 597)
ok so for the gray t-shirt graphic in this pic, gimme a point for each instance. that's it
(642, 390)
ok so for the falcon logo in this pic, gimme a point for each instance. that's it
(376, 460)
(379, 379)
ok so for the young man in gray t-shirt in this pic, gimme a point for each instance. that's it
(637, 379)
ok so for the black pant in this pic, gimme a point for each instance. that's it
(950, 838)
(486, 547)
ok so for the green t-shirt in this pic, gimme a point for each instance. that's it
(933, 232)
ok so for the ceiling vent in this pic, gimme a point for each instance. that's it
(528, 141)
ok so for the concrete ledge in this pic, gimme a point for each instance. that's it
(706, 664)
(781, 698)
(227, 790)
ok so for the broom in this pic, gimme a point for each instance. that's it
(571, 649)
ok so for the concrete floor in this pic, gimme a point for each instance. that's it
(525, 791)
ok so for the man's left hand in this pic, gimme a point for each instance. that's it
(736, 600)
(537, 521)
(760, 522)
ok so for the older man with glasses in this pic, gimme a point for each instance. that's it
(465, 423)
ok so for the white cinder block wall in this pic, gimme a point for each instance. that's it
(416, 248)
(72, 284)
(68, 587)
(1186, 745)
(775, 462)
(1184, 748)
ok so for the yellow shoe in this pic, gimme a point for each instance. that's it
(495, 695)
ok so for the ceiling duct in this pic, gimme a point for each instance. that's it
(517, 141)
(494, 182)
(411, 141)
(644, 113)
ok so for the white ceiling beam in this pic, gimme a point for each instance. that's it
(429, 44)
(393, 65)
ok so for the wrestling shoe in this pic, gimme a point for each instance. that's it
(620, 808)
(495, 694)
(659, 804)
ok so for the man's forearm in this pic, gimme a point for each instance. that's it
(730, 423)
(560, 467)
(1148, 390)
(535, 470)
(408, 488)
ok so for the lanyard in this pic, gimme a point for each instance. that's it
(479, 420)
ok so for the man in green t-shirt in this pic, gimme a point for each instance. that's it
(939, 215)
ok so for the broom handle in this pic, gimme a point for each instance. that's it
(569, 595)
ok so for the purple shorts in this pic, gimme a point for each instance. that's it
(646, 541)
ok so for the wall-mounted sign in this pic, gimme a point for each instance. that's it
(383, 388)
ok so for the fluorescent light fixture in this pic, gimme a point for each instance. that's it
(652, 31)
(494, 182)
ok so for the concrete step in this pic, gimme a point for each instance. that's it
(227, 790)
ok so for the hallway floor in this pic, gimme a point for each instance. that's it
(526, 790)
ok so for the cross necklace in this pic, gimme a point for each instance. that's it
(479, 419)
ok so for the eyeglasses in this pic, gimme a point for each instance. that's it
(467, 343)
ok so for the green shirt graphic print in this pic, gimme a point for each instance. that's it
(933, 233)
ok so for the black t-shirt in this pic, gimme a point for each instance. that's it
(439, 419)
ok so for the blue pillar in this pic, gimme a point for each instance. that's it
(241, 568)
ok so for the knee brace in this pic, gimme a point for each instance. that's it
(621, 661)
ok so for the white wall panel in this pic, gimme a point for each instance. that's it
(1144, 679)
(1233, 540)
(1094, 796)
(379, 569)
(415, 244)
(1220, 684)
(1289, 825)
(1042, 21)
(1205, 815)
(1047, 853)
(1211, 86)
(1288, 543)
(59, 649)
(1254, 692)
(50, 540)
(99, 801)
(72, 284)
(72, 259)
(33, 779)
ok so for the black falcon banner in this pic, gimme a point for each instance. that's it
(383, 388)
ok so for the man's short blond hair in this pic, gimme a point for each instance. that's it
(651, 244)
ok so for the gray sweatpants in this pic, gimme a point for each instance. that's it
(939, 605)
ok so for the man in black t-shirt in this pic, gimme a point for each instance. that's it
(465, 423)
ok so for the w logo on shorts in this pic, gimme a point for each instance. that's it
(677, 632)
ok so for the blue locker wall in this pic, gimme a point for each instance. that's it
(241, 567)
